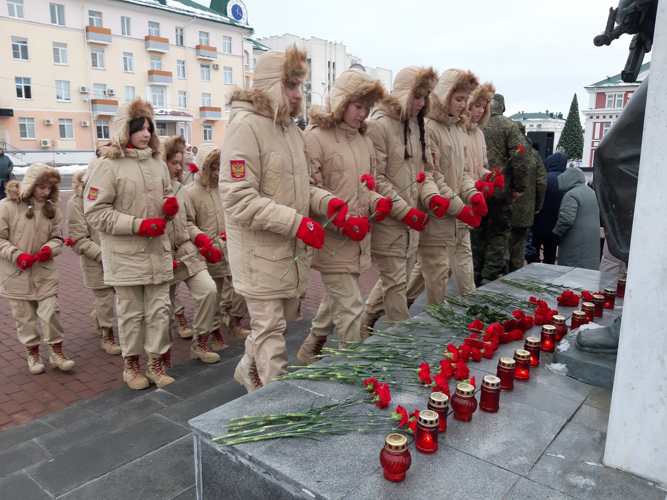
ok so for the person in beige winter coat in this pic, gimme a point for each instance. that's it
(340, 154)
(478, 114)
(30, 222)
(129, 199)
(445, 245)
(268, 195)
(397, 129)
(87, 245)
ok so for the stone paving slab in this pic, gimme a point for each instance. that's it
(525, 489)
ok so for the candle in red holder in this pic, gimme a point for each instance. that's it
(532, 345)
(426, 439)
(395, 457)
(620, 287)
(490, 399)
(464, 403)
(589, 309)
(548, 342)
(578, 319)
(598, 302)
(609, 298)
(439, 403)
(505, 373)
(522, 358)
(561, 327)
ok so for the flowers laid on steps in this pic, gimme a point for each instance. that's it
(568, 299)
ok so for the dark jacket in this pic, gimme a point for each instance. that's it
(6, 167)
(545, 221)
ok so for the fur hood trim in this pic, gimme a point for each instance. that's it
(450, 81)
(37, 174)
(78, 184)
(171, 146)
(124, 116)
(483, 93)
(407, 83)
(207, 155)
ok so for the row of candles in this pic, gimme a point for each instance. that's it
(395, 456)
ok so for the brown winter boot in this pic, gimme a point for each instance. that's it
(96, 324)
(132, 375)
(367, 324)
(235, 328)
(310, 348)
(246, 374)
(166, 360)
(218, 343)
(199, 350)
(109, 343)
(35, 364)
(184, 329)
(155, 373)
(57, 358)
(410, 302)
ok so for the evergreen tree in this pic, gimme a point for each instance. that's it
(572, 137)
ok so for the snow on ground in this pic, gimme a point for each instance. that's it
(69, 169)
(557, 368)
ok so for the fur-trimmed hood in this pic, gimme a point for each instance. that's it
(450, 81)
(171, 146)
(124, 116)
(37, 173)
(207, 154)
(352, 85)
(407, 82)
(78, 184)
(484, 93)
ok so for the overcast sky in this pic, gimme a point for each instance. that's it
(538, 53)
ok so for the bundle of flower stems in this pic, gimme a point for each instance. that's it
(501, 301)
(537, 286)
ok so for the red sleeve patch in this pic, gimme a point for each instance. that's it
(92, 193)
(237, 169)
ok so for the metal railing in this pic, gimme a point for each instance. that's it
(8, 148)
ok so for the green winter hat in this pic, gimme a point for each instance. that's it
(499, 98)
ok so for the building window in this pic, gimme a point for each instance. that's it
(27, 128)
(208, 132)
(229, 78)
(179, 37)
(156, 63)
(203, 38)
(126, 26)
(610, 100)
(206, 100)
(20, 48)
(619, 100)
(99, 91)
(180, 69)
(97, 58)
(227, 44)
(94, 18)
(205, 72)
(62, 91)
(227, 107)
(66, 126)
(129, 94)
(57, 14)
(161, 129)
(59, 53)
(153, 28)
(23, 88)
(157, 97)
(103, 132)
(605, 129)
(15, 8)
(182, 99)
(128, 62)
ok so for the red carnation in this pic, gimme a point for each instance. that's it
(464, 353)
(506, 338)
(487, 352)
(382, 396)
(476, 354)
(440, 383)
(499, 181)
(471, 381)
(446, 368)
(510, 324)
(412, 422)
(400, 415)
(495, 344)
(223, 236)
(587, 296)
(462, 371)
(174, 264)
(68, 242)
(370, 182)
(520, 148)
(421, 177)
(425, 374)
(193, 168)
(476, 326)
(568, 299)
(518, 314)
(526, 323)
(517, 334)
(495, 329)
(371, 384)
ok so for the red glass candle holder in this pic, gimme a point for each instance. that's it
(548, 340)
(489, 400)
(464, 403)
(505, 373)
(522, 358)
(532, 345)
(578, 319)
(426, 439)
(561, 327)
(395, 457)
(598, 302)
(439, 403)
(609, 298)
(620, 287)
(589, 309)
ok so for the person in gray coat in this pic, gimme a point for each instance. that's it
(6, 167)
(578, 224)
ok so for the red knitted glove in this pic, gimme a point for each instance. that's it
(210, 253)
(479, 205)
(152, 227)
(439, 205)
(174, 264)
(415, 219)
(202, 240)
(356, 228)
(383, 208)
(469, 216)
(44, 254)
(170, 207)
(311, 233)
(334, 205)
(26, 260)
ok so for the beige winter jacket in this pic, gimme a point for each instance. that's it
(339, 156)
(386, 128)
(207, 207)
(126, 187)
(449, 157)
(265, 183)
(478, 164)
(20, 234)
(182, 232)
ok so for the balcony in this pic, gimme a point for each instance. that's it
(98, 35)
(104, 106)
(206, 52)
(208, 113)
(160, 77)
(157, 44)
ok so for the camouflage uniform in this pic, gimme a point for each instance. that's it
(491, 239)
(523, 209)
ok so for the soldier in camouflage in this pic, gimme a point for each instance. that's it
(491, 239)
(525, 208)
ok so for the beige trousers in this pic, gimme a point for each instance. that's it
(460, 263)
(139, 305)
(26, 313)
(203, 291)
(230, 301)
(389, 293)
(179, 308)
(269, 321)
(104, 306)
(341, 307)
